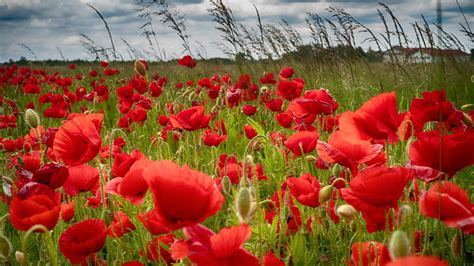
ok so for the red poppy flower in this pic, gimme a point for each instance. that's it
(303, 141)
(204, 247)
(123, 162)
(250, 132)
(78, 139)
(274, 105)
(418, 261)
(133, 185)
(373, 253)
(293, 215)
(284, 119)
(434, 107)
(182, 196)
(286, 72)
(190, 119)
(152, 222)
(212, 139)
(121, 224)
(67, 211)
(35, 204)
(249, 109)
(270, 259)
(82, 239)
(187, 61)
(81, 178)
(449, 203)
(305, 189)
(289, 89)
(268, 79)
(434, 155)
(346, 152)
(377, 119)
(314, 102)
(374, 191)
(52, 174)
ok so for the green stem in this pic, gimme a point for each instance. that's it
(49, 242)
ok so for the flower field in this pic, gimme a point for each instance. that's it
(202, 163)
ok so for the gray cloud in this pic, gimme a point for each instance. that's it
(44, 25)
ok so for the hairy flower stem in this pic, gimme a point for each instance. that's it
(49, 242)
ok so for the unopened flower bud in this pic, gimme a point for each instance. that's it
(336, 170)
(140, 67)
(467, 119)
(468, 107)
(311, 158)
(399, 245)
(5, 248)
(456, 245)
(346, 211)
(249, 160)
(226, 184)
(244, 204)
(325, 194)
(20, 257)
(404, 213)
(32, 118)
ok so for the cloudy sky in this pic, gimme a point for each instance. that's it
(47, 26)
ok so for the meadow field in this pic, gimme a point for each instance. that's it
(270, 162)
(284, 153)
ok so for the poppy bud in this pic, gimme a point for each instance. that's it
(336, 170)
(468, 106)
(5, 248)
(467, 119)
(20, 257)
(249, 160)
(140, 67)
(32, 118)
(226, 185)
(325, 194)
(404, 214)
(456, 245)
(346, 211)
(311, 158)
(399, 245)
(244, 204)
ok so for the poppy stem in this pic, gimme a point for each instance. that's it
(49, 242)
(2, 220)
(38, 135)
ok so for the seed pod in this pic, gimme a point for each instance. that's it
(32, 118)
(20, 257)
(468, 107)
(325, 194)
(456, 245)
(346, 211)
(399, 245)
(311, 158)
(467, 119)
(404, 214)
(140, 68)
(226, 184)
(5, 248)
(336, 170)
(244, 204)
